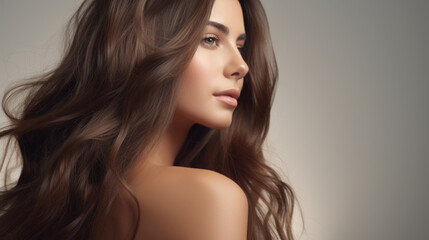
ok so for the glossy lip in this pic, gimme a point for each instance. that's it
(234, 93)
(229, 97)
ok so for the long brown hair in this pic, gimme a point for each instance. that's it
(82, 126)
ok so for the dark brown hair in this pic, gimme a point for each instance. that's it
(82, 126)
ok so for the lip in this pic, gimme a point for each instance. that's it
(229, 97)
(234, 93)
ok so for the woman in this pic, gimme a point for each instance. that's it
(138, 133)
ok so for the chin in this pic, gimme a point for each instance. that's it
(218, 122)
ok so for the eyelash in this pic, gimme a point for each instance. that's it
(217, 39)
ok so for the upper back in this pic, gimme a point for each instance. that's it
(182, 204)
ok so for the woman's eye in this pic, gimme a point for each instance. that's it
(212, 40)
(209, 41)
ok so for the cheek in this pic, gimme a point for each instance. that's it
(197, 83)
(201, 71)
(195, 80)
(195, 101)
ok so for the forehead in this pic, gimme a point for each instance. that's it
(229, 13)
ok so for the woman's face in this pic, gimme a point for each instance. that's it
(213, 79)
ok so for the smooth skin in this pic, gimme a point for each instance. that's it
(179, 203)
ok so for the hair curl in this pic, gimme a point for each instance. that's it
(82, 126)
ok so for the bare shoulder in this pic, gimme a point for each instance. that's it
(195, 204)
(206, 183)
(210, 182)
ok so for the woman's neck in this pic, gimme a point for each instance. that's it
(167, 147)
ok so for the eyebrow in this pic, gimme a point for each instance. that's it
(224, 29)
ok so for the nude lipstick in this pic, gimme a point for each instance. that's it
(229, 97)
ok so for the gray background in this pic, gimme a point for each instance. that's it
(349, 123)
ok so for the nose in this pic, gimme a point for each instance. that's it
(236, 67)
